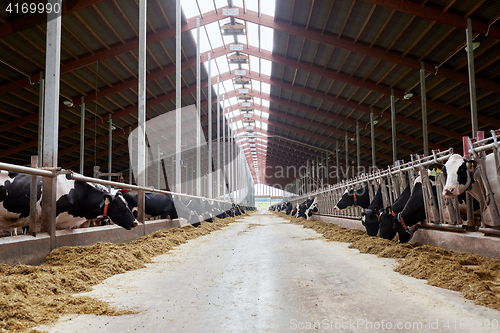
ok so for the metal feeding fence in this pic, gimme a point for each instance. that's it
(481, 156)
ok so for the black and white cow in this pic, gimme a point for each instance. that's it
(76, 202)
(386, 217)
(156, 204)
(350, 198)
(461, 178)
(307, 208)
(370, 216)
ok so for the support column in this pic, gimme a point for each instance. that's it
(327, 169)
(358, 147)
(209, 112)
(338, 159)
(472, 79)
(41, 95)
(141, 119)
(178, 113)
(82, 135)
(110, 145)
(372, 126)
(218, 141)
(130, 176)
(223, 170)
(393, 122)
(198, 111)
(51, 120)
(423, 98)
(346, 154)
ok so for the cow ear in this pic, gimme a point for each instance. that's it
(472, 164)
(107, 196)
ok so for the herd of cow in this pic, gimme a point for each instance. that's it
(77, 202)
(304, 209)
(408, 209)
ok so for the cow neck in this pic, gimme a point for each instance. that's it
(105, 203)
(399, 219)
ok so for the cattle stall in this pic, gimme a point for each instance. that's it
(473, 213)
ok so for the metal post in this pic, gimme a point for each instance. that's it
(337, 159)
(346, 154)
(393, 122)
(423, 97)
(372, 126)
(33, 197)
(322, 172)
(327, 169)
(82, 135)
(130, 161)
(223, 170)
(358, 147)
(178, 113)
(209, 111)
(158, 156)
(41, 95)
(472, 78)
(110, 145)
(218, 141)
(141, 116)
(198, 111)
(51, 120)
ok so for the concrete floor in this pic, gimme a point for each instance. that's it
(266, 275)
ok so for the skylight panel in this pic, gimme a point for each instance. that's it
(222, 63)
(266, 88)
(268, 7)
(189, 8)
(238, 3)
(265, 103)
(266, 38)
(221, 3)
(233, 101)
(265, 67)
(205, 6)
(254, 63)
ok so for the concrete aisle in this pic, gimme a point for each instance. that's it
(266, 275)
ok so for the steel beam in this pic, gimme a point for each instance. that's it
(433, 13)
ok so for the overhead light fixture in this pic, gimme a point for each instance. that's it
(375, 122)
(475, 45)
(352, 139)
(408, 95)
(68, 103)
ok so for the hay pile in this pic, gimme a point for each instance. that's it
(476, 277)
(36, 295)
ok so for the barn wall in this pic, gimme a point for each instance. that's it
(31, 250)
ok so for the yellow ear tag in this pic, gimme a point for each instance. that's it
(107, 201)
(439, 170)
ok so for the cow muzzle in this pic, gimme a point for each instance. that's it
(337, 209)
(136, 223)
(449, 192)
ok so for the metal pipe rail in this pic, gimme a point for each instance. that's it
(79, 177)
(49, 172)
(483, 145)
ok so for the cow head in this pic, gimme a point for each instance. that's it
(459, 175)
(386, 223)
(369, 219)
(118, 211)
(358, 197)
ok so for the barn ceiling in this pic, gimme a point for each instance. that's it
(332, 62)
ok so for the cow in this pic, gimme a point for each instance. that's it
(156, 204)
(370, 216)
(76, 202)
(460, 178)
(307, 208)
(386, 217)
(359, 197)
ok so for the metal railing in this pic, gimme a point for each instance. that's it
(441, 212)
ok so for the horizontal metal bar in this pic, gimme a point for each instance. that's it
(485, 147)
(134, 187)
(27, 170)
